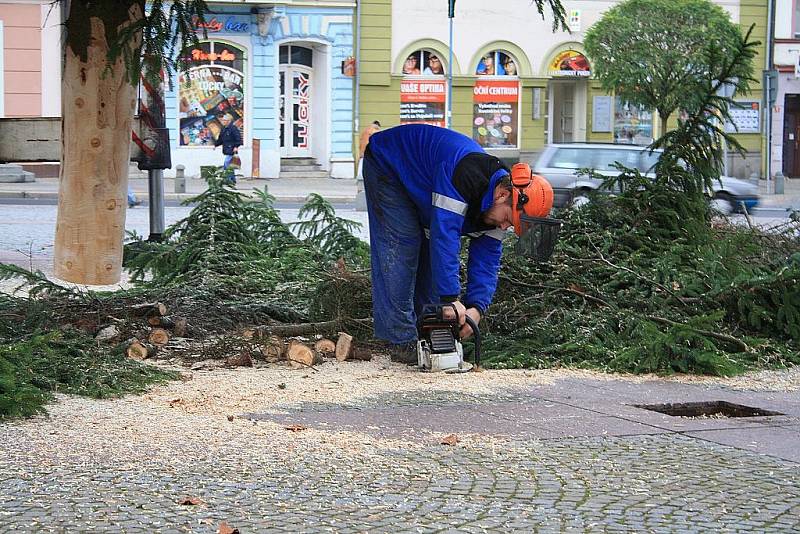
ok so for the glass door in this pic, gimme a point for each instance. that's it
(294, 106)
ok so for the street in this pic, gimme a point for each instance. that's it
(28, 230)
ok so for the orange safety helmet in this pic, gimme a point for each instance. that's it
(531, 195)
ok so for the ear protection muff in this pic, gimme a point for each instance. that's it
(531, 195)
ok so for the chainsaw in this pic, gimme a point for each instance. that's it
(438, 341)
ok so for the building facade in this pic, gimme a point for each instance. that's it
(786, 110)
(274, 69)
(30, 59)
(517, 85)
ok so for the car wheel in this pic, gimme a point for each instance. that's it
(723, 203)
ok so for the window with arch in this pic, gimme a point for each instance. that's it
(424, 62)
(423, 92)
(497, 63)
(211, 92)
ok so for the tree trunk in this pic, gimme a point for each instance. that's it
(662, 126)
(97, 107)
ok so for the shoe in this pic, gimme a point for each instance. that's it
(134, 203)
(405, 353)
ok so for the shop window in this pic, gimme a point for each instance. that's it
(495, 117)
(796, 29)
(633, 125)
(296, 55)
(210, 92)
(424, 63)
(496, 63)
(423, 92)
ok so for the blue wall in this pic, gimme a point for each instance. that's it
(263, 61)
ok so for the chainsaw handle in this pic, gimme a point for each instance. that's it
(472, 324)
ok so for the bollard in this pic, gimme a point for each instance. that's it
(180, 179)
(779, 183)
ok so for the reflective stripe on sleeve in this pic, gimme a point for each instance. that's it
(449, 204)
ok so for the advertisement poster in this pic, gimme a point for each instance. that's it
(206, 95)
(570, 63)
(746, 117)
(632, 125)
(495, 121)
(423, 102)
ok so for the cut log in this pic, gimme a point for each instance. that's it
(326, 346)
(344, 347)
(243, 359)
(109, 333)
(301, 355)
(159, 336)
(360, 353)
(181, 327)
(141, 351)
(163, 322)
(273, 349)
(149, 309)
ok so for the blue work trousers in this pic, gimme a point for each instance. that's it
(400, 257)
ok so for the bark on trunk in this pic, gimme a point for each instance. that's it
(97, 107)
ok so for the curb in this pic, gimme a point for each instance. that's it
(169, 197)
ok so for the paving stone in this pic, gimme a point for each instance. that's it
(781, 442)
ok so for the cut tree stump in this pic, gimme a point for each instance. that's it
(344, 347)
(159, 336)
(300, 354)
(325, 346)
(141, 351)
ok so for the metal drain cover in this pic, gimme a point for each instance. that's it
(714, 409)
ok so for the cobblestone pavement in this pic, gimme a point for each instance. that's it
(121, 466)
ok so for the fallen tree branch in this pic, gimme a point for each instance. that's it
(736, 342)
(299, 329)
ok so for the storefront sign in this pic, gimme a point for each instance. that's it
(199, 55)
(495, 113)
(570, 63)
(207, 94)
(423, 102)
(746, 116)
(223, 24)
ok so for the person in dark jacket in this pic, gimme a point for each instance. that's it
(231, 139)
(426, 187)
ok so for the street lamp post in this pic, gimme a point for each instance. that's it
(451, 12)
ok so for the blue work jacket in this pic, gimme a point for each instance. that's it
(423, 158)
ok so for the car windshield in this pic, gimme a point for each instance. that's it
(606, 158)
(572, 158)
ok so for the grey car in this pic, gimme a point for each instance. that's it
(559, 164)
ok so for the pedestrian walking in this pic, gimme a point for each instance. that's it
(231, 139)
(426, 187)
